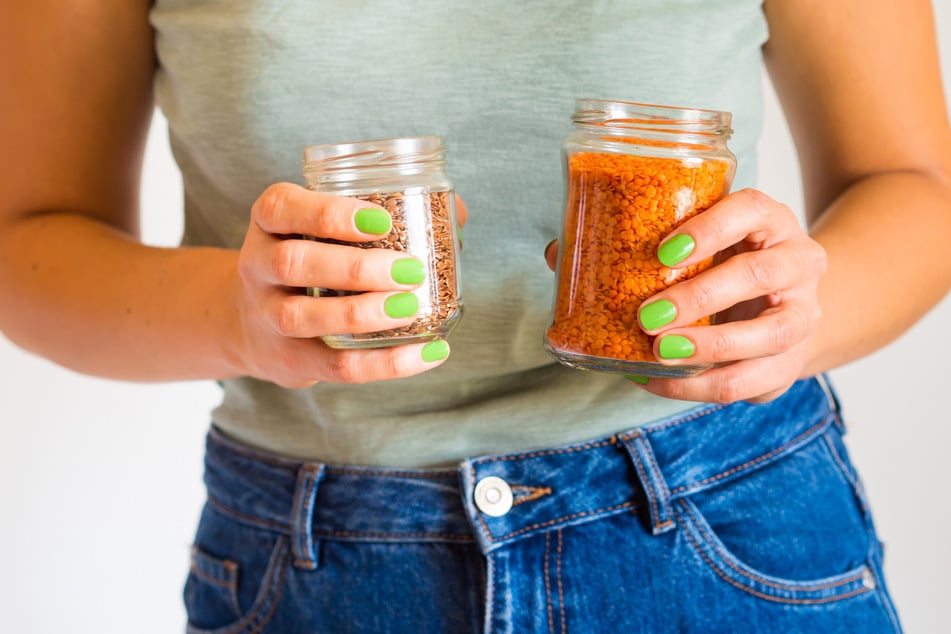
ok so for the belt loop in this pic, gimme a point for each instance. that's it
(303, 544)
(658, 495)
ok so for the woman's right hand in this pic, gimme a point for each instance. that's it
(278, 327)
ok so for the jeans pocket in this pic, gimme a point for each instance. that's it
(236, 578)
(789, 532)
(213, 585)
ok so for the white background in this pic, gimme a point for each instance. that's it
(100, 482)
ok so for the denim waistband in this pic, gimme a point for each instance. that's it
(643, 470)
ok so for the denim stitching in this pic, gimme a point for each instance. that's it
(230, 566)
(754, 461)
(258, 522)
(761, 595)
(660, 477)
(258, 619)
(534, 494)
(561, 595)
(305, 537)
(227, 585)
(275, 600)
(551, 621)
(553, 522)
(757, 578)
(454, 536)
(446, 475)
(846, 472)
(649, 489)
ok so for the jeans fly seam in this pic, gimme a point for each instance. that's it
(698, 549)
(561, 595)
(551, 621)
(258, 522)
(754, 461)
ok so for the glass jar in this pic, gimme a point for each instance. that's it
(635, 172)
(407, 177)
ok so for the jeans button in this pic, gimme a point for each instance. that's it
(493, 496)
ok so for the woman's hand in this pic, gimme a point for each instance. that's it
(278, 327)
(763, 288)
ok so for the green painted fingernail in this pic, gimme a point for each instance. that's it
(676, 250)
(435, 351)
(407, 271)
(676, 347)
(373, 220)
(401, 305)
(657, 314)
(637, 379)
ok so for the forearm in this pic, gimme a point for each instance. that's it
(886, 238)
(92, 299)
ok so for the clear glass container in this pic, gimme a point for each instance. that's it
(635, 172)
(407, 177)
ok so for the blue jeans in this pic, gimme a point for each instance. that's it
(740, 518)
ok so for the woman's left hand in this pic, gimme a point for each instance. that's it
(764, 289)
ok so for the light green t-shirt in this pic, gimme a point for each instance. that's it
(246, 84)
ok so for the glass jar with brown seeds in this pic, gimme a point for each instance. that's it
(407, 177)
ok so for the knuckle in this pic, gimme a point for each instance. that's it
(784, 333)
(730, 389)
(287, 262)
(356, 270)
(760, 272)
(352, 315)
(287, 319)
(344, 368)
(757, 200)
(722, 346)
(700, 297)
(397, 364)
(271, 203)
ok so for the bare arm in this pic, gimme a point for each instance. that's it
(77, 285)
(865, 105)
(860, 86)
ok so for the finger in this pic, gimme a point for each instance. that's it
(742, 277)
(319, 363)
(306, 263)
(302, 316)
(462, 212)
(551, 254)
(775, 331)
(747, 215)
(753, 380)
(288, 209)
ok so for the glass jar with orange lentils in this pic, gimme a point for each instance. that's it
(635, 172)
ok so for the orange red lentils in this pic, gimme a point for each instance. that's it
(619, 208)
